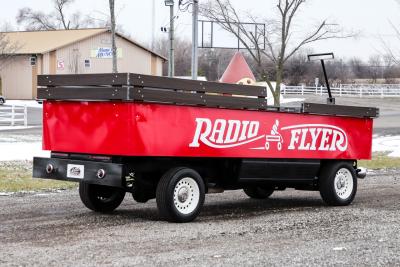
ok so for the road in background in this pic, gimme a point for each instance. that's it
(388, 122)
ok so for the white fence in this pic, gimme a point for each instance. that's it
(13, 115)
(358, 90)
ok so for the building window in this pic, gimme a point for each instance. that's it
(87, 63)
(33, 60)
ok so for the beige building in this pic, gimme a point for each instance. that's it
(69, 52)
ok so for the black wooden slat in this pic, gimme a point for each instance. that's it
(184, 98)
(340, 110)
(83, 79)
(193, 85)
(83, 93)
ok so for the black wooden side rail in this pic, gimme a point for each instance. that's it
(155, 89)
(146, 88)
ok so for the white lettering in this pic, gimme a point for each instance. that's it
(294, 139)
(314, 137)
(198, 135)
(224, 134)
(217, 134)
(253, 129)
(232, 135)
(325, 139)
(243, 136)
(303, 145)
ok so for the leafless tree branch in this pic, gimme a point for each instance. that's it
(278, 39)
(38, 20)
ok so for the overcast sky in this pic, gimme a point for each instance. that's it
(372, 18)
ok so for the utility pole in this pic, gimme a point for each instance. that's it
(114, 47)
(153, 24)
(171, 64)
(195, 38)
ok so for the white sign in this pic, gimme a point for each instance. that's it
(60, 64)
(75, 171)
(104, 52)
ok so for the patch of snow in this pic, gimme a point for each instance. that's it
(290, 100)
(387, 144)
(28, 103)
(21, 151)
(3, 128)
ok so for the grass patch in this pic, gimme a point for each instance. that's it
(380, 161)
(17, 176)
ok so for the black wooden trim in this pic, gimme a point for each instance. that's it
(198, 86)
(340, 110)
(176, 97)
(83, 79)
(83, 93)
(149, 81)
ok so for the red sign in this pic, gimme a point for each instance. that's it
(133, 129)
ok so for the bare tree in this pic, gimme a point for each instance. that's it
(38, 20)
(7, 50)
(113, 45)
(279, 37)
(375, 68)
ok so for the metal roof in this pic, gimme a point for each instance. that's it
(40, 42)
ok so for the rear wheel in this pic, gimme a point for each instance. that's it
(258, 192)
(100, 198)
(180, 195)
(2, 101)
(338, 183)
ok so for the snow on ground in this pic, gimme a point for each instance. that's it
(387, 144)
(3, 128)
(21, 151)
(28, 103)
(290, 100)
(11, 150)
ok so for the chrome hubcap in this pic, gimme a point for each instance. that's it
(343, 183)
(183, 194)
(186, 195)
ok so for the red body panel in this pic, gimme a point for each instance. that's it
(134, 129)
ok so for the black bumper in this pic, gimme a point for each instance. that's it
(114, 173)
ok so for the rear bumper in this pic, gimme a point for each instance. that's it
(114, 173)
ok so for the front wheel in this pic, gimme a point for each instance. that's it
(180, 195)
(100, 198)
(338, 183)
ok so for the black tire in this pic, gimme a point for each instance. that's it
(339, 193)
(170, 206)
(2, 101)
(258, 192)
(100, 198)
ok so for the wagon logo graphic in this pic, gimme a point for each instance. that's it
(275, 136)
(75, 171)
(225, 133)
(321, 137)
(303, 137)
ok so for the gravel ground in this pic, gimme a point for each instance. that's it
(293, 228)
